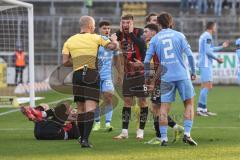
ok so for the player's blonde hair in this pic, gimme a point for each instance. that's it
(86, 21)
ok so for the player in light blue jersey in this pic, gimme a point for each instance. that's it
(206, 57)
(170, 45)
(238, 55)
(105, 58)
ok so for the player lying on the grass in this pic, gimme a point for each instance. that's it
(80, 52)
(169, 45)
(133, 50)
(150, 31)
(206, 57)
(105, 60)
(238, 55)
(57, 123)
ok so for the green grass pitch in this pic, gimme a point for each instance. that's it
(218, 137)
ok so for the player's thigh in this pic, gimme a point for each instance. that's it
(185, 89)
(90, 105)
(168, 92)
(142, 102)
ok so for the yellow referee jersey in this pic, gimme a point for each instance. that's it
(83, 48)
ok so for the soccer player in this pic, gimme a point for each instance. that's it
(238, 55)
(151, 18)
(80, 51)
(169, 45)
(150, 30)
(206, 57)
(105, 58)
(58, 123)
(132, 46)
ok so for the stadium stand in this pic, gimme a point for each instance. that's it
(56, 20)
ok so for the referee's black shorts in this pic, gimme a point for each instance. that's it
(86, 85)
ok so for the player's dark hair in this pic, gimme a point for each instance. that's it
(152, 27)
(127, 17)
(104, 23)
(148, 18)
(165, 20)
(210, 25)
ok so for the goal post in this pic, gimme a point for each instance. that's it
(30, 33)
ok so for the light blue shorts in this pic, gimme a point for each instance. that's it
(206, 74)
(184, 87)
(106, 86)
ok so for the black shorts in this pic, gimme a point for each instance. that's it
(133, 86)
(86, 85)
(19, 69)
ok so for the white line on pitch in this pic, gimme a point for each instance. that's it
(30, 129)
(15, 110)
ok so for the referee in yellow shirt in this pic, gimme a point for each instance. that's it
(80, 52)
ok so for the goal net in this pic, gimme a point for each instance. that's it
(16, 51)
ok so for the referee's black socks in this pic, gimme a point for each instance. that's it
(88, 124)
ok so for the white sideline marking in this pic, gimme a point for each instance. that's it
(11, 111)
(30, 129)
(15, 110)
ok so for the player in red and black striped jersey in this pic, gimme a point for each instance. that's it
(133, 49)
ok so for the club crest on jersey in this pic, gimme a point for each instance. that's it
(209, 41)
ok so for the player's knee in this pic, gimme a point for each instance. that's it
(142, 102)
(128, 102)
(108, 98)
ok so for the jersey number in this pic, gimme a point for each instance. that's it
(167, 50)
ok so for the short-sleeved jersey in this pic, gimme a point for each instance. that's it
(83, 49)
(105, 58)
(206, 50)
(169, 45)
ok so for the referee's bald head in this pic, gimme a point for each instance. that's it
(87, 22)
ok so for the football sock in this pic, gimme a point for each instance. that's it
(126, 115)
(156, 126)
(171, 122)
(80, 124)
(143, 117)
(88, 124)
(203, 99)
(187, 127)
(163, 132)
(97, 114)
(108, 112)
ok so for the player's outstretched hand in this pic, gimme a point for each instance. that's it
(138, 63)
(226, 44)
(220, 60)
(113, 37)
(131, 27)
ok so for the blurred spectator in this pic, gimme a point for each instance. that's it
(218, 7)
(225, 4)
(210, 3)
(184, 6)
(19, 65)
(202, 6)
(193, 4)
